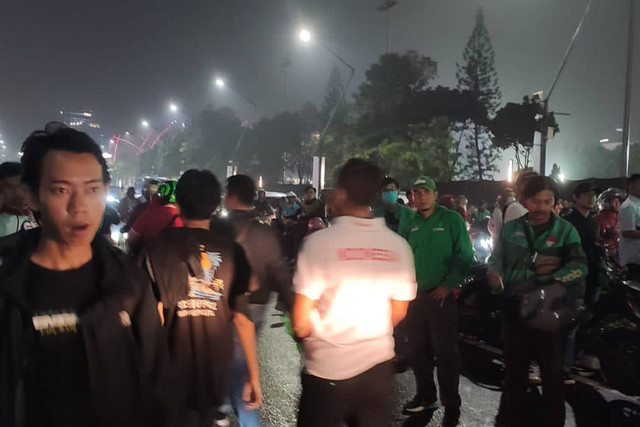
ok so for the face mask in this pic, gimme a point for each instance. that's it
(390, 197)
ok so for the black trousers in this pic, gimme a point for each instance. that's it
(433, 338)
(521, 345)
(364, 400)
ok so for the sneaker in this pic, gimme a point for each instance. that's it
(221, 420)
(568, 380)
(584, 372)
(417, 405)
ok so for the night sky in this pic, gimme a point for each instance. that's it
(126, 60)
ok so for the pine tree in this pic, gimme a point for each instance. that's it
(478, 75)
(332, 95)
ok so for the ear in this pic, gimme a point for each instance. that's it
(435, 194)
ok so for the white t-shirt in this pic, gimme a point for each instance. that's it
(514, 211)
(353, 269)
(629, 249)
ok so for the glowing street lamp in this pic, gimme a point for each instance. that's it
(173, 108)
(145, 124)
(219, 82)
(305, 36)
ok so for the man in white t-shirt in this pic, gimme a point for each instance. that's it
(353, 284)
(629, 218)
(516, 210)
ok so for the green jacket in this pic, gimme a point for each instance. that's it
(441, 248)
(560, 256)
(397, 220)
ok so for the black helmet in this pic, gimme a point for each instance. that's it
(605, 198)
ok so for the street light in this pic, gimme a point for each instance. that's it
(305, 36)
(173, 108)
(385, 7)
(145, 124)
(221, 83)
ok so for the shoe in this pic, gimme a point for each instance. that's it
(568, 380)
(417, 405)
(584, 372)
(221, 420)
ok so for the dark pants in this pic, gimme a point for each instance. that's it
(633, 270)
(433, 337)
(401, 341)
(521, 345)
(364, 400)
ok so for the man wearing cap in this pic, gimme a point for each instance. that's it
(584, 199)
(443, 255)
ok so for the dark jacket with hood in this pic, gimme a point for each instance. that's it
(127, 358)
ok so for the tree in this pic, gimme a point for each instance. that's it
(478, 75)
(389, 88)
(332, 95)
(514, 126)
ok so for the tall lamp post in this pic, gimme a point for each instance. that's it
(221, 84)
(385, 7)
(627, 94)
(545, 102)
(305, 37)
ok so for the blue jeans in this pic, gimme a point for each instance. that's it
(238, 373)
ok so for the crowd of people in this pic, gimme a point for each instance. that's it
(166, 334)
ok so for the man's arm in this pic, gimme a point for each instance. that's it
(575, 267)
(462, 254)
(398, 311)
(301, 316)
(252, 393)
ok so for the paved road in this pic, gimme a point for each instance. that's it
(280, 368)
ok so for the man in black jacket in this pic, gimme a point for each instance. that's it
(80, 337)
(268, 265)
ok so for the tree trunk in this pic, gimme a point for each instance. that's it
(477, 141)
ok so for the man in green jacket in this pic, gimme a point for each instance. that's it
(443, 255)
(556, 256)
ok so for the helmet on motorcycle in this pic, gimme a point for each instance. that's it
(167, 192)
(605, 198)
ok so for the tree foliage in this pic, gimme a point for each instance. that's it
(478, 75)
(514, 126)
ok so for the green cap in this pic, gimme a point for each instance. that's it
(424, 182)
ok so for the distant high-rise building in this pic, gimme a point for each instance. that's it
(84, 121)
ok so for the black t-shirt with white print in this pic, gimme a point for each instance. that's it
(56, 300)
(198, 276)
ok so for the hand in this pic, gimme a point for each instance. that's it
(252, 394)
(440, 294)
(495, 281)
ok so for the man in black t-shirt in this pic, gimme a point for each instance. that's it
(81, 342)
(201, 280)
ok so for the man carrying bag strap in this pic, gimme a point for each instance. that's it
(539, 263)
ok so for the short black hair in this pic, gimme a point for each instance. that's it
(362, 180)
(388, 180)
(198, 194)
(10, 169)
(632, 179)
(310, 187)
(59, 138)
(242, 187)
(539, 183)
